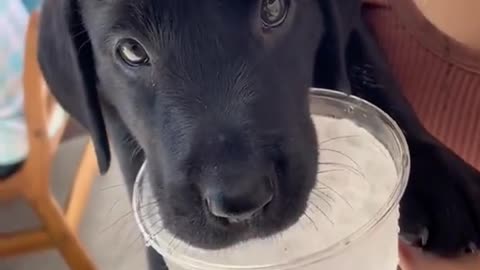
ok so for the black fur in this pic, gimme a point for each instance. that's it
(215, 73)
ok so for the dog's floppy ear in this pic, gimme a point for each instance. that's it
(340, 18)
(66, 60)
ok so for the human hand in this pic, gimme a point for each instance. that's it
(415, 259)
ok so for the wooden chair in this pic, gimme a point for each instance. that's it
(31, 183)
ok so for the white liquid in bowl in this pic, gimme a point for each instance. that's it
(350, 224)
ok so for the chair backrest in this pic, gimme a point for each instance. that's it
(45, 120)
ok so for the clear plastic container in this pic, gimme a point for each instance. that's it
(333, 237)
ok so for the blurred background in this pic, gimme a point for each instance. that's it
(107, 230)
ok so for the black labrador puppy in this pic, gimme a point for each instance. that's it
(214, 94)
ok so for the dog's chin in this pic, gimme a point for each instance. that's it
(192, 224)
(213, 236)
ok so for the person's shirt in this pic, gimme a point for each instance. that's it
(439, 76)
(13, 131)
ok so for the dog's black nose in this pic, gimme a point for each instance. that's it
(242, 201)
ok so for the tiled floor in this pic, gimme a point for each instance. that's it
(108, 230)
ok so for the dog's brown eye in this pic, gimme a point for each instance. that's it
(132, 52)
(274, 12)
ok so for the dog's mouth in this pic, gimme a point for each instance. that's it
(214, 199)
(185, 216)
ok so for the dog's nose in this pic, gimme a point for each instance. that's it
(240, 202)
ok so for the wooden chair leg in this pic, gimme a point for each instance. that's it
(14, 244)
(82, 186)
(63, 236)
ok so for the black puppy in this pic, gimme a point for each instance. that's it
(214, 94)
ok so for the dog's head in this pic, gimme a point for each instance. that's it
(214, 92)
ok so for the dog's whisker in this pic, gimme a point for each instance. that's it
(186, 248)
(138, 237)
(128, 139)
(179, 242)
(327, 196)
(345, 166)
(150, 211)
(149, 203)
(151, 206)
(136, 151)
(340, 153)
(311, 221)
(338, 138)
(111, 187)
(112, 207)
(321, 198)
(82, 31)
(140, 247)
(330, 171)
(325, 186)
(172, 241)
(129, 213)
(153, 236)
(379, 149)
(155, 223)
(121, 218)
(87, 41)
(338, 171)
(326, 216)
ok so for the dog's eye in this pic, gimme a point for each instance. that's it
(274, 12)
(132, 52)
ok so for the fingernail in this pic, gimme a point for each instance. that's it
(424, 236)
(416, 240)
(410, 239)
(471, 248)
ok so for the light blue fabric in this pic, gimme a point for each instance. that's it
(14, 16)
(31, 5)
